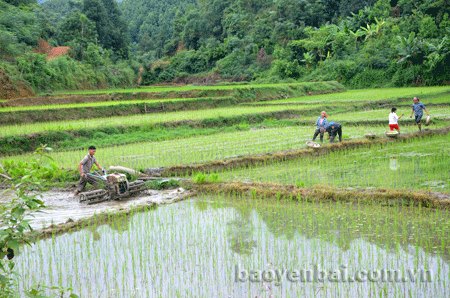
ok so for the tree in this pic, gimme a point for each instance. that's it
(355, 35)
(410, 49)
(77, 31)
(20, 2)
(111, 29)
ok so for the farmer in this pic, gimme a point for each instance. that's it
(334, 129)
(393, 119)
(85, 167)
(418, 108)
(321, 123)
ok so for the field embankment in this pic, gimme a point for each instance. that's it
(193, 100)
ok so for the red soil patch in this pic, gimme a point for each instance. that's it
(57, 52)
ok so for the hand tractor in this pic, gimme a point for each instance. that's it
(116, 187)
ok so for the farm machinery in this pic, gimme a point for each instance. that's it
(116, 187)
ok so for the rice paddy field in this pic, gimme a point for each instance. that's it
(217, 244)
(368, 95)
(144, 119)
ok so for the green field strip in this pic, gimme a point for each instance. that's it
(183, 88)
(415, 164)
(442, 99)
(142, 119)
(361, 95)
(200, 149)
(93, 104)
(383, 114)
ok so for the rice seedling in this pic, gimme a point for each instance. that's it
(186, 88)
(90, 104)
(366, 95)
(141, 119)
(382, 114)
(232, 246)
(221, 244)
(413, 164)
(202, 149)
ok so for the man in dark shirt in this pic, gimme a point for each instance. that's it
(85, 167)
(334, 129)
(418, 108)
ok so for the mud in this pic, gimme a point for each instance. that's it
(64, 211)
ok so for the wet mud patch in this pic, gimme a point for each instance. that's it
(64, 212)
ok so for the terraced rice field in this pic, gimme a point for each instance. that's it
(366, 95)
(416, 164)
(219, 244)
(143, 119)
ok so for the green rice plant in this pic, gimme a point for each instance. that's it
(214, 177)
(361, 95)
(144, 119)
(183, 88)
(200, 178)
(227, 234)
(412, 164)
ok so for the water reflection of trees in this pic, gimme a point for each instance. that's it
(386, 227)
(240, 232)
(341, 224)
(118, 222)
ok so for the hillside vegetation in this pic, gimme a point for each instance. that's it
(358, 43)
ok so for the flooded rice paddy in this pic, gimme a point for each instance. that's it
(414, 164)
(218, 246)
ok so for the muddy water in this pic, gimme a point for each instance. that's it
(62, 206)
(208, 247)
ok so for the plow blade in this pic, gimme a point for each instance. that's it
(136, 186)
(95, 196)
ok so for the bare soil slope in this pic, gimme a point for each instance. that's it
(10, 90)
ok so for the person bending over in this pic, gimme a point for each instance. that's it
(334, 129)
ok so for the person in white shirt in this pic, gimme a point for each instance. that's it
(393, 120)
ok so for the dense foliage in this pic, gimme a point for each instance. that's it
(96, 56)
(359, 43)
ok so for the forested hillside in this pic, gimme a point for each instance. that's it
(94, 32)
(359, 43)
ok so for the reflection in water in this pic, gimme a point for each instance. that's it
(393, 164)
(241, 232)
(183, 250)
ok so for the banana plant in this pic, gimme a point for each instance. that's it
(409, 48)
